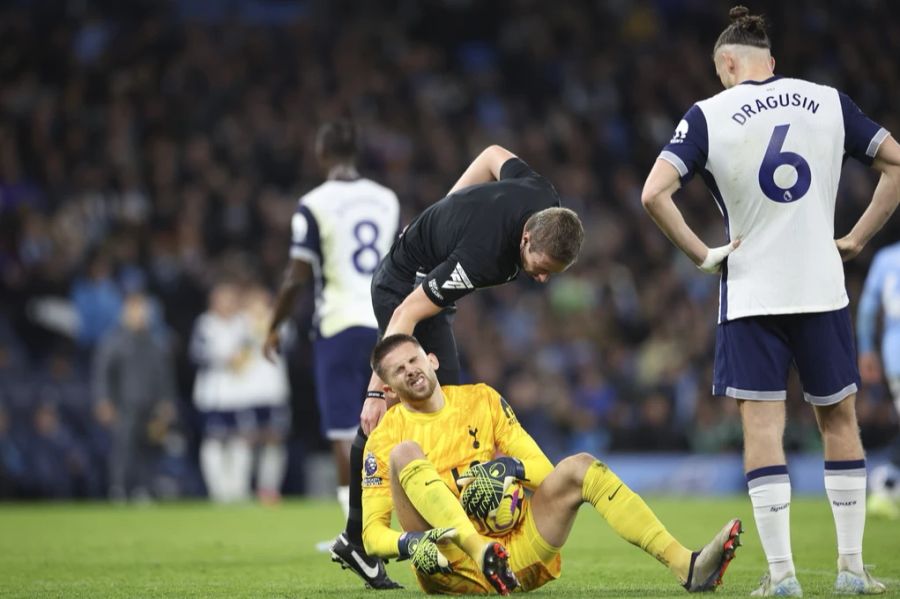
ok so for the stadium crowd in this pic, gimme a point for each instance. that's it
(159, 148)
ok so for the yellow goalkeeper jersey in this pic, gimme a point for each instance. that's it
(475, 425)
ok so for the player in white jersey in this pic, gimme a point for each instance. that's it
(340, 232)
(770, 150)
(220, 347)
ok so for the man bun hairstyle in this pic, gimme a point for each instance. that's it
(745, 30)
(337, 140)
(556, 232)
(386, 346)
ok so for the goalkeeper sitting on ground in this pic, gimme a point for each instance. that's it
(433, 459)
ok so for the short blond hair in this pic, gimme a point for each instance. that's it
(556, 232)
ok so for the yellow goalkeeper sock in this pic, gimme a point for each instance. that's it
(633, 519)
(439, 506)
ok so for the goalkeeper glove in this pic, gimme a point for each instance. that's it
(422, 549)
(485, 484)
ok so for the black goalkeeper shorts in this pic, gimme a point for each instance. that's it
(435, 334)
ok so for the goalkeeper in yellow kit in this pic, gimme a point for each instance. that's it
(434, 460)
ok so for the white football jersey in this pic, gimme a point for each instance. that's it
(344, 228)
(771, 152)
(215, 342)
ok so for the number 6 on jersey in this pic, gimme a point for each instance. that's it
(771, 165)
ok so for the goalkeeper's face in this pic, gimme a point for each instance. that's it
(410, 372)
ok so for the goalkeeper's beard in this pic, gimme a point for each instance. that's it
(415, 393)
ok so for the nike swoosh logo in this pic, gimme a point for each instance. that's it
(370, 571)
(613, 494)
(436, 480)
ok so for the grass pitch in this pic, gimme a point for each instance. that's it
(200, 550)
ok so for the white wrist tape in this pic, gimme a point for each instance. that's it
(715, 257)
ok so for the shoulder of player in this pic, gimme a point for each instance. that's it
(327, 195)
(377, 186)
(750, 88)
(384, 433)
(474, 391)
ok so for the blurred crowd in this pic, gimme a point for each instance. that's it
(152, 150)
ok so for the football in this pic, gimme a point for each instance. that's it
(506, 516)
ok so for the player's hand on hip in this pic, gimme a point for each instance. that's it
(372, 412)
(848, 247)
(272, 346)
(716, 256)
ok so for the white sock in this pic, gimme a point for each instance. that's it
(845, 485)
(770, 494)
(240, 468)
(212, 464)
(343, 496)
(272, 464)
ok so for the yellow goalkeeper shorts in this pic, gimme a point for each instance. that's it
(535, 562)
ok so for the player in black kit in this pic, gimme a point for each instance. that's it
(500, 218)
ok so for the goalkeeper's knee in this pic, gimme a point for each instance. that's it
(403, 453)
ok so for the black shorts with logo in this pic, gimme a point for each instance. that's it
(435, 334)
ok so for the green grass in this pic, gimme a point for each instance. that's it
(198, 550)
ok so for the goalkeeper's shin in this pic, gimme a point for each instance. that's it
(439, 506)
(633, 519)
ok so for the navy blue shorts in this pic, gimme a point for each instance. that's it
(754, 355)
(225, 423)
(270, 418)
(342, 375)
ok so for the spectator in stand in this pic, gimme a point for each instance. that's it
(97, 301)
(58, 466)
(13, 465)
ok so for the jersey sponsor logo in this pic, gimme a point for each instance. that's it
(681, 132)
(372, 481)
(458, 279)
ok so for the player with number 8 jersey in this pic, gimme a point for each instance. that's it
(339, 234)
(770, 150)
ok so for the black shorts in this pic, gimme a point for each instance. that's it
(435, 334)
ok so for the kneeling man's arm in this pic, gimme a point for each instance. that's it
(378, 536)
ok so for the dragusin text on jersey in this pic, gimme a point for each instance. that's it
(773, 102)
